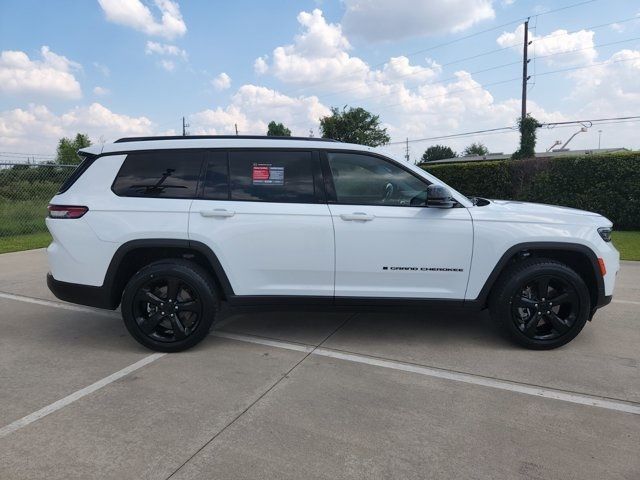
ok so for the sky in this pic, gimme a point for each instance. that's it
(117, 68)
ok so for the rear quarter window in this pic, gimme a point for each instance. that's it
(160, 174)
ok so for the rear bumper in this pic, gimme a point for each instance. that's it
(88, 295)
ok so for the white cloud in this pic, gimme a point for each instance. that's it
(560, 47)
(52, 76)
(260, 65)
(221, 82)
(319, 57)
(318, 53)
(380, 20)
(252, 107)
(168, 65)
(617, 27)
(38, 129)
(103, 69)
(134, 14)
(100, 91)
(165, 49)
(399, 69)
(611, 86)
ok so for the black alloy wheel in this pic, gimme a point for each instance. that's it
(546, 308)
(541, 303)
(167, 308)
(170, 305)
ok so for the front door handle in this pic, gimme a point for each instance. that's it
(357, 216)
(217, 212)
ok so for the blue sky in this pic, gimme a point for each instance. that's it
(128, 67)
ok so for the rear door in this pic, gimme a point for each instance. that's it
(264, 215)
(385, 247)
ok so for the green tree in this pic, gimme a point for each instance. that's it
(354, 125)
(476, 149)
(67, 153)
(277, 130)
(527, 127)
(437, 152)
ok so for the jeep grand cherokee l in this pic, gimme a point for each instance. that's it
(170, 228)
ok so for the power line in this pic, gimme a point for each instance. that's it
(7, 154)
(512, 129)
(589, 48)
(591, 27)
(455, 135)
(484, 54)
(447, 43)
(586, 67)
(592, 121)
(496, 67)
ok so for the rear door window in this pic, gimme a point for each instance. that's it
(272, 176)
(163, 173)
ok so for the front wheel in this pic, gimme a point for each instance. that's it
(169, 305)
(541, 303)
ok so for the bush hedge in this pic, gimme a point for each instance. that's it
(606, 184)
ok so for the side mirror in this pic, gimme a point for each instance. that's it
(439, 197)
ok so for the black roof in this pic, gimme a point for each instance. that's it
(201, 137)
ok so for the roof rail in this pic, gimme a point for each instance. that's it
(201, 137)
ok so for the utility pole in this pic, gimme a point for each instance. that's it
(236, 125)
(599, 138)
(525, 63)
(184, 128)
(406, 151)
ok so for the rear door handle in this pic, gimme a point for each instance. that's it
(357, 216)
(217, 212)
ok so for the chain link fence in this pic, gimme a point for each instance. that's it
(25, 191)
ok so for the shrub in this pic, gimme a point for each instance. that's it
(606, 184)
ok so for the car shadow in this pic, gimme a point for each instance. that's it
(429, 327)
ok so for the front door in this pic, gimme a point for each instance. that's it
(387, 248)
(260, 213)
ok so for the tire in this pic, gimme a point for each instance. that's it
(541, 303)
(170, 305)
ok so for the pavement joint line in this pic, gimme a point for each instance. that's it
(307, 349)
(626, 301)
(299, 347)
(268, 390)
(77, 395)
(65, 306)
(469, 378)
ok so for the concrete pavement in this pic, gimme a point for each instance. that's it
(234, 408)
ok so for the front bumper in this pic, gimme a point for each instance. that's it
(603, 301)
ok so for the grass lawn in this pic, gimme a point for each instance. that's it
(628, 244)
(17, 243)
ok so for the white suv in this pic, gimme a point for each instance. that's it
(172, 227)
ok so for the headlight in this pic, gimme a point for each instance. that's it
(605, 233)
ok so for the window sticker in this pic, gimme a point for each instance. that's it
(267, 174)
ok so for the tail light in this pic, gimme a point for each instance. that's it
(66, 211)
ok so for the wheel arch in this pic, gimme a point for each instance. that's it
(577, 256)
(135, 254)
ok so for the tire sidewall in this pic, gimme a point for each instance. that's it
(191, 276)
(515, 283)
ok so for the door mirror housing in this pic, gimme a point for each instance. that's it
(439, 197)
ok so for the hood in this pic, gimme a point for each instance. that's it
(513, 211)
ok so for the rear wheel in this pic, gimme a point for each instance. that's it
(541, 303)
(169, 305)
